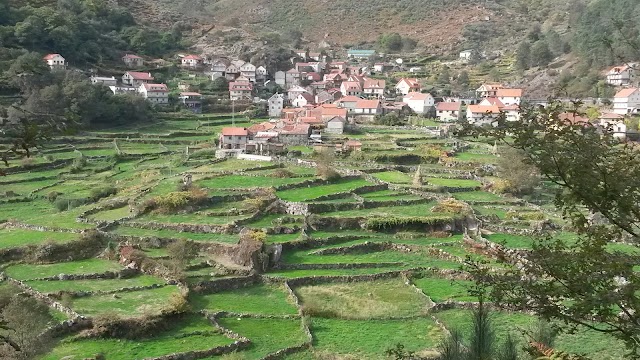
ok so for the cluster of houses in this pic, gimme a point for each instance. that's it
(137, 82)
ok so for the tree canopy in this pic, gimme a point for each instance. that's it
(584, 281)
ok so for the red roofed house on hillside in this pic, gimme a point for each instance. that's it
(133, 61)
(262, 127)
(55, 61)
(192, 101)
(491, 101)
(615, 123)
(418, 102)
(303, 100)
(155, 93)
(240, 90)
(488, 90)
(191, 61)
(134, 78)
(373, 87)
(233, 138)
(369, 107)
(297, 134)
(509, 96)
(406, 85)
(351, 88)
(448, 111)
(622, 75)
(626, 101)
(348, 102)
(482, 114)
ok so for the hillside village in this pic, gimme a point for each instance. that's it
(323, 96)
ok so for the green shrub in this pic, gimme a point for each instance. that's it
(66, 204)
(102, 192)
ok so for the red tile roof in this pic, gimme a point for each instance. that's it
(448, 106)
(494, 101)
(482, 109)
(234, 131)
(626, 92)
(417, 96)
(374, 84)
(573, 118)
(312, 120)
(51, 56)
(131, 56)
(509, 93)
(192, 57)
(140, 75)
(297, 129)
(190, 94)
(368, 104)
(264, 126)
(155, 87)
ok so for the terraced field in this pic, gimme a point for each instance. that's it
(348, 267)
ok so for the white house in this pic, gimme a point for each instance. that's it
(373, 87)
(418, 102)
(368, 107)
(155, 93)
(351, 88)
(233, 138)
(219, 68)
(276, 104)
(448, 111)
(102, 80)
(465, 55)
(509, 96)
(626, 101)
(615, 123)
(133, 61)
(482, 114)
(191, 61)
(303, 100)
(232, 72)
(134, 78)
(248, 70)
(294, 91)
(55, 61)
(240, 90)
(280, 77)
(261, 73)
(622, 75)
(488, 90)
(406, 85)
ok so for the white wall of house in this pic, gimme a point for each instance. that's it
(509, 100)
(626, 105)
(447, 115)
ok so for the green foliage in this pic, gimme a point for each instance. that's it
(595, 177)
(517, 174)
(388, 223)
(391, 119)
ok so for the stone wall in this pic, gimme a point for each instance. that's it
(214, 286)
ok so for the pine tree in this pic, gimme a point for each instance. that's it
(523, 56)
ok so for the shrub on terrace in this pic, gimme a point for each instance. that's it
(452, 206)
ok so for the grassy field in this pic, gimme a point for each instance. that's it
(259, 299)
(89, 266)
(365, 300)
(348, 320)
(441, 290)
(93, 285)
(134, 303)
(345, 336)
(310, 193)
(12, 238)
(267, 335)
(191, 333)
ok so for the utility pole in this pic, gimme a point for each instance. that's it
(233, 112)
